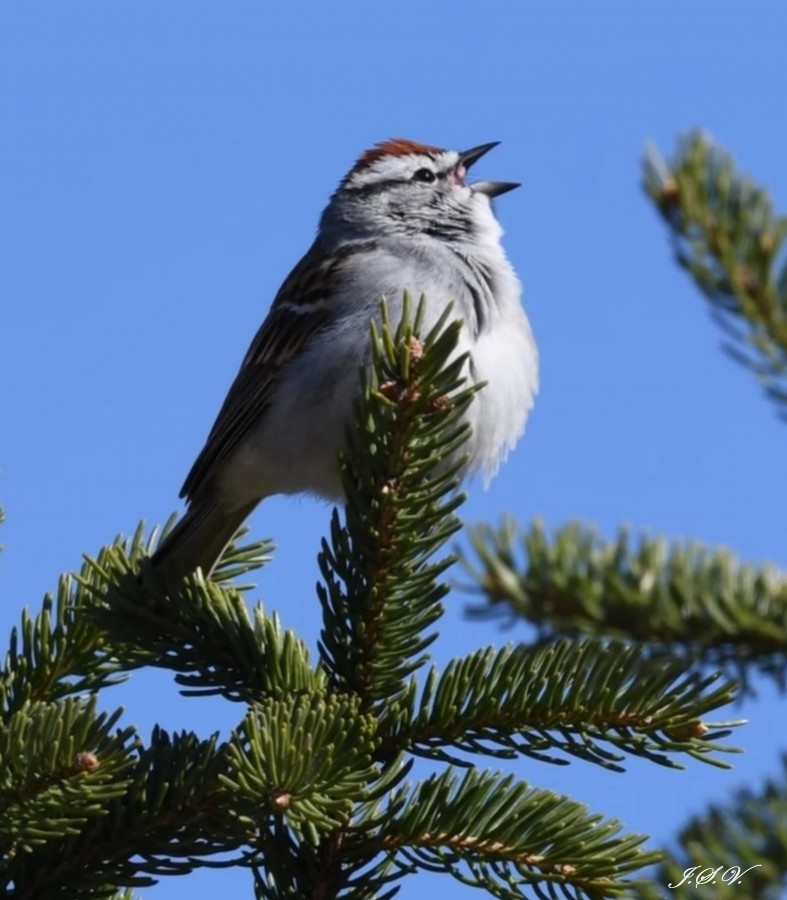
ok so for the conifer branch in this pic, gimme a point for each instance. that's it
(172, 812)
(56, 654)
(701, 603)
(570, 697)
(199, 628)
(726, 235)
(308, 791)
(491, 831)
(60, 764)
(381, 593)
(303, 759)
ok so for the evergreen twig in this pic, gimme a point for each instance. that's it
(726, 235)
(309, 789)
(568, 697)
(701, 604)
(381, 593)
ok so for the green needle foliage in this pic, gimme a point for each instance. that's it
(679, 604)
(576, 698)
(317, 752)
(515, 832)
(379, 579)
(726, 235)
(200, 629)
(344, 774)
(700, 603)
(728, 238)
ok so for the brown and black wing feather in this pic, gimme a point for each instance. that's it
(302, 307)
(299, 310)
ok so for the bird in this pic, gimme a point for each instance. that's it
(405, 218)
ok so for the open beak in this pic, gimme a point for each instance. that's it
(490, 188)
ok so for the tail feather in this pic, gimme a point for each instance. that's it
(199, 539)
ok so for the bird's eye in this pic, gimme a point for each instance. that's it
(425, 175)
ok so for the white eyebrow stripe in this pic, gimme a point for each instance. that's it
(402, 167)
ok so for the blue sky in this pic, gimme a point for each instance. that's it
(163, 166)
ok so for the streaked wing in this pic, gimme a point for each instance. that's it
(301, 308)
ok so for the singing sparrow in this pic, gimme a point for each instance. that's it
(404, 218)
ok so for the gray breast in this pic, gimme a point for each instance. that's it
(478, 282)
